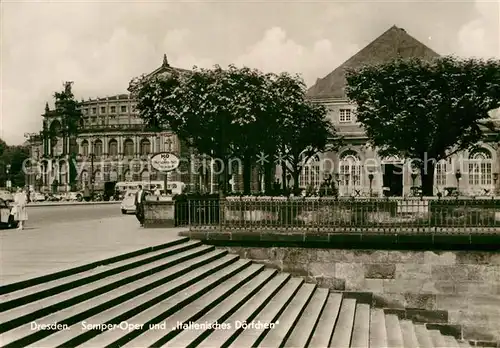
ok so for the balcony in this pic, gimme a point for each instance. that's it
(117, 127)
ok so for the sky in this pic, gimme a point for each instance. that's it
(102, 45)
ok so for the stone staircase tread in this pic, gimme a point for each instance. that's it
(423, 336)
(286, 322)
(361, 329)
(108, 282)
(342, 333)
(162, 310)
(195, 309)
(394, 335)
(247, 312)
(308, 320)
(378, 331)
(437, 339)
(250, 337)
(451, 342)
(409, 336)
(226, 307)
(128, 311)
(326, 322)
(115, 297)
(46, 287)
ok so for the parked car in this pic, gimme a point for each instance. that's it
(6, 218)
(74, 196)
(37, 197)
(6, 196)
(128, 203)
(52, 198)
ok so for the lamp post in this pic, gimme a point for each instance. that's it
(92, 155)
(413, 178)
(168, 143)
(328, 182)
(9, 183)
(347, 183)
(370, 178)
(458, 176)
(495, 179)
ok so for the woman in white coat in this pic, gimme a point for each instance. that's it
(20, 201)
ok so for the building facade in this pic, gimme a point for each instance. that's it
(112, 145)
(359, 169)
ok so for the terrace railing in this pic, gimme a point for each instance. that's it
(342, 215)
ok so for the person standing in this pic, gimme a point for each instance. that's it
(139, 205)
(21, 213)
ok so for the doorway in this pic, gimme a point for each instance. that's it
(393, 179)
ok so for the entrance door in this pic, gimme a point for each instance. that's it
(393, 179)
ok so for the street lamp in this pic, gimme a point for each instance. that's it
(495, 179)
(92, 155)
(9, 183)
(370, 178)
(458, 176)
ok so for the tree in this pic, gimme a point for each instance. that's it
(15, 157)
(304, 130)
(425, 111)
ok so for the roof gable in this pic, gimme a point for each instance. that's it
(392, 44)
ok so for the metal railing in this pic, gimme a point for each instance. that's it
(342, 215)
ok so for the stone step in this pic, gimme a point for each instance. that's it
(148, 308)
(423, 336)
(287, 321)
(302, 333)
(394, 334)
(50, 288)
(409, 336)
(45, 306)
(173, 296)
(343, 328)
(361, 330)
(378, 331)
(326, 322)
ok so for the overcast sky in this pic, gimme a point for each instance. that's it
(102, 45)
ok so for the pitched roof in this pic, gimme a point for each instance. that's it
(392, 44)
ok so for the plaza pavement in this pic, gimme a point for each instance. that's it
(42, 250)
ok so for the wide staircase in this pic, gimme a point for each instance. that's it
(187, 294)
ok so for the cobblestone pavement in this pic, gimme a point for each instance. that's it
(48, 248)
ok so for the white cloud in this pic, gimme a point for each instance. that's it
(276, 52)
(481, 36)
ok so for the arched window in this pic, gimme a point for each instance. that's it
(440, 173)
(145, 147)
(85, 148)
(310, 176)
(84, 176)
(128, 147)
(97, 176)
(63, 173)
(480, 168)
(350, 169)
(128, 175)
(98, 147)
(113, 175)
(113, 147)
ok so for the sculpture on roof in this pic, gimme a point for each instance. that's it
(165, 61)
(67, 87)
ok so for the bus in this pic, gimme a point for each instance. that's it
(176, 187)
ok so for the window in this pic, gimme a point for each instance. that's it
(85, 111)
(441, 173)
(94, 111)
(310, 176)
(128, 147)
(85, 148)
(113, 147)
(98, 148)
(345, 115)
(123, 109)
(480, 171)
(145, 147)
(103, 109)
(350, 169)
(93, 119)
(113, 109)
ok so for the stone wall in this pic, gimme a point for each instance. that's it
(464, 283)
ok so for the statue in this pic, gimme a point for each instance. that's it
(67, 87)
(165, 61)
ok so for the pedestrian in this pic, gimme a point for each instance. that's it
(157, 191)
(20, 212)
(139, 205)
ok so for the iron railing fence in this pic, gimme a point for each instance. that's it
(342, 215)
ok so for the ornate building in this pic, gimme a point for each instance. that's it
(112, 144)
(358, 167)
